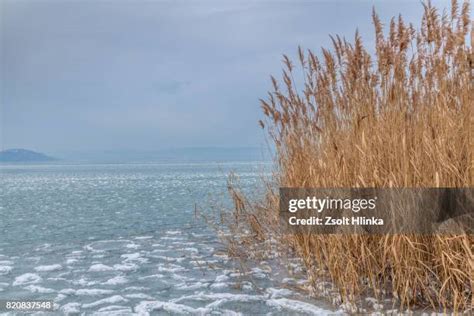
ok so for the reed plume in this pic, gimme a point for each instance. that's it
(398, 117)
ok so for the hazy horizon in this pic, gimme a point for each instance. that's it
(137, 76)
(164, 155)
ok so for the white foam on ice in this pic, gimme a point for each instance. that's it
(6, 262)
(4, 269)
(145, 307)
(71, 308)
(171, 238)
(84, 282)
(169, 259)
(103, 245)
(116, 280)
(222, 278)
(219, 298)
(109, 300)
(71, 261)
(125, 267)
(112, 310)
(258, 273)
(99, 267)
(134, 257)
(153, 276)
(27, 278)
(143, 237)
(132, 245)
(48, 268)
(93, 292)
(218, 285)
(67, 291)
(171, 268)
(115, 308)
(39, 289)
(247, 286)
(140, 296)
(59, 298)
(191, 287)
(277, 293)
(298, 307)
(191, 249)
(159, 250)
(136, 288)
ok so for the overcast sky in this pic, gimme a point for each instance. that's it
(144, 75)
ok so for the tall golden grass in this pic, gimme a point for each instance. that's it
(398, 118)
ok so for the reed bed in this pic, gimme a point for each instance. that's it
(399, 117)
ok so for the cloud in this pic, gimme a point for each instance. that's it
(148, 74)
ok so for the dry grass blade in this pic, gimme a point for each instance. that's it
(401, 118)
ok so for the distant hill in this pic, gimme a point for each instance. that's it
(23, 155)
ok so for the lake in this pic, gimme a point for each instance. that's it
(124, 239)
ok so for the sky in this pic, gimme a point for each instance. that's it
(144, 75)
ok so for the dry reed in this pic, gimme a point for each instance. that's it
(399, 118)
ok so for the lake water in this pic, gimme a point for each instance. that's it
(123, 239)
